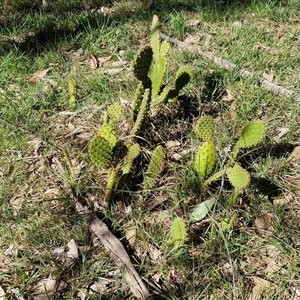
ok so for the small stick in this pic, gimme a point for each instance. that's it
(271, 86)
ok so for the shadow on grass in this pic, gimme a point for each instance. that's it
(48, 23)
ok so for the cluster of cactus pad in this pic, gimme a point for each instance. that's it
(149, 69)
(252, 134)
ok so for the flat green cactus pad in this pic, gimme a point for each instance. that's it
(141, 65)
(182, 78)
(252, 134)
(205, 158)
(115, 111)
(100, 152)
(205, 128)
(111, 182)
(132, 153)
(178, 232)
(238, 176)
(108, 133)
(154, 168)
(157, 75)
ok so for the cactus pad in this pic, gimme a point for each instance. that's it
(108, 133)
(182, 78)
(154, 40)
(252, 134)
(164, 48)
(141, 66)
(142, 112)
(205, 158)
(238, 176)
(132, 153)
(111, 182)
(157, 74)
(115, 111)
(100, 152)
(178, 232)
(154, 168)
(205, 128)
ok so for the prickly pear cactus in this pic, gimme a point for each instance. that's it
(238, 176)
(100, 152)
(154, 39)
(111, 182)
(252, 134)
(142, 112)
(141, 66)
(182, 78)
(178, 232)
(205, 159)
(157, 74)
(108, 133)
(114, 111)
(138, 98)
(132, 153)
(154, 168)
(205, 128)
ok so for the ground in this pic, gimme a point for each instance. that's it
(61, 67)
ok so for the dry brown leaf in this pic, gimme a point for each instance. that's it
(296, 153)
(269, 76)
(102, 286)
(232, 111)
(18, 200)
(193, 23)
(280, 132)
(36, 143)
(104, 59)
(292, 180)
(114, 71)
(259, 285)
(48, 285)
(192, 39)
(263, 224)
(72, 252)
(105, 10)
(38, 75)
(228, 96)
(155, 254)
(93, 62)
(172, 144)
(130, 234)
(2, 294)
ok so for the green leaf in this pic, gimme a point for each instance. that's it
(178, 232)
(201, 210)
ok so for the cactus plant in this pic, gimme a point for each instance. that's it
(132, 153)
(238, 176)
(142, 113)
(154, 168)
(205, 128)
(178, 232)
(205, 159)
(114, 112)
(111, 182)
(108, 133)
(100, 152)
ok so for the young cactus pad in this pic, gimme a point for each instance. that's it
(205, 128)
(132, 153)
(205, 158)
(141, 66)
(100, 152)
(182, 78)
(111, 182)
(108, 133)
(238, 176)
(142, 112)
(154, 168)
(115, 111)
(178, 232)
(252, 134)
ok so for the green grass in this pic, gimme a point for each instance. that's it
(37, 123)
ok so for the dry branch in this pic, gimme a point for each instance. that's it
(271, 86)
(115, 249)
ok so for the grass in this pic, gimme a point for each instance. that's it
(37, 123)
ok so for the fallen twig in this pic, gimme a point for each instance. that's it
(271, 86)
(115, 249)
